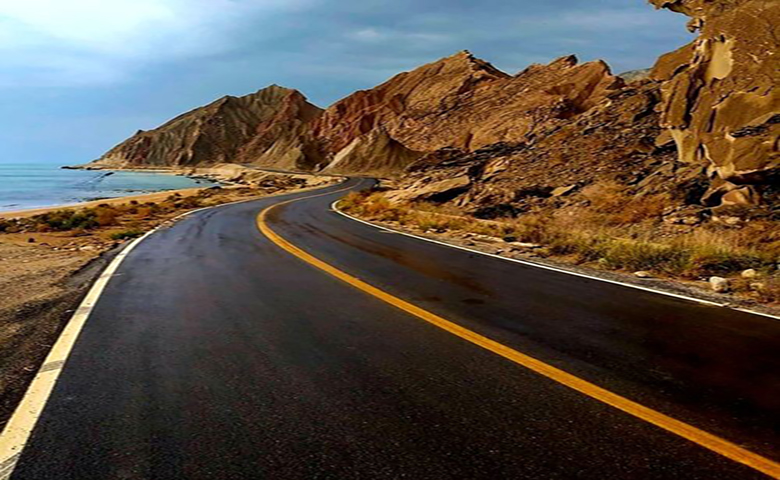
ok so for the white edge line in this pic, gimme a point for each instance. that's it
(335, 208)
(17, 431)
(20, 426)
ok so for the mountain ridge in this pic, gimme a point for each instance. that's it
(465, 104)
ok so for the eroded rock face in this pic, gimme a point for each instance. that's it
(720, 97)
(464, 102)
(615, 141)
(268, 128)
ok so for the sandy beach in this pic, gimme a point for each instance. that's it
(142, 198)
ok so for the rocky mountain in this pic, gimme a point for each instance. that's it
(464, 102)
(374, 153)
(410, 106)
(702, 125)
(619, 140)
(269, 128)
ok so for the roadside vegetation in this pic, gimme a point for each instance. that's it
(614, 232)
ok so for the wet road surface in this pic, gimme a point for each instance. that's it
(215, 354)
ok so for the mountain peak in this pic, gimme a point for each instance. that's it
(230, 129)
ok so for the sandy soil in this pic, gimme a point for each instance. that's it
(40, 289)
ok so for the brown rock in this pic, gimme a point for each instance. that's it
(721, 103)
(267, 128)
(719, 284)
(741, 196)
(442, 190)
(561, 191)
(375, 153)
(464, 102)
(749, 273)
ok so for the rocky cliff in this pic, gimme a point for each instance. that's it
(269, 128)
(721, 103)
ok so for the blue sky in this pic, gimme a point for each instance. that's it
(78, 76)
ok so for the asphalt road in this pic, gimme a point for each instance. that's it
(215, 354)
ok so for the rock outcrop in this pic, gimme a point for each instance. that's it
(720, 98)
(269, 128)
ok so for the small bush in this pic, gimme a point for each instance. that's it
(7, 226)
(106, 216)
(127, 234)
(189, 202)
(64, 220)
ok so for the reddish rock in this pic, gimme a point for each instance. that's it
(464, 102)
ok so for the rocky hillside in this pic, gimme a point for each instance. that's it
(619, 140)
(464, 102)
(269, 128)
(701, 126)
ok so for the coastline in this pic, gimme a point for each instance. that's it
(41, 188)
(225, 175)
(143, 197)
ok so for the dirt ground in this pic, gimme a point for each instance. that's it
(40, 288)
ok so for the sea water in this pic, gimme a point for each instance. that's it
(32, 185)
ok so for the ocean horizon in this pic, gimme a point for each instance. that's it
(47, 184)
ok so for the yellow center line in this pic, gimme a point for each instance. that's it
(677, 427)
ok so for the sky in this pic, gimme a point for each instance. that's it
(79, 76)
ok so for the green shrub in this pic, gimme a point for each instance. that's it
(127, 234)
(63, 220)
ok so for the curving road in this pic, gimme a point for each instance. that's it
(215, 354)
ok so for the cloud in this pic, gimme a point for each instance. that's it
(384, 35)
(65, 42)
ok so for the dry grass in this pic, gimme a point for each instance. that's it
(606, 236)
(611, 205)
